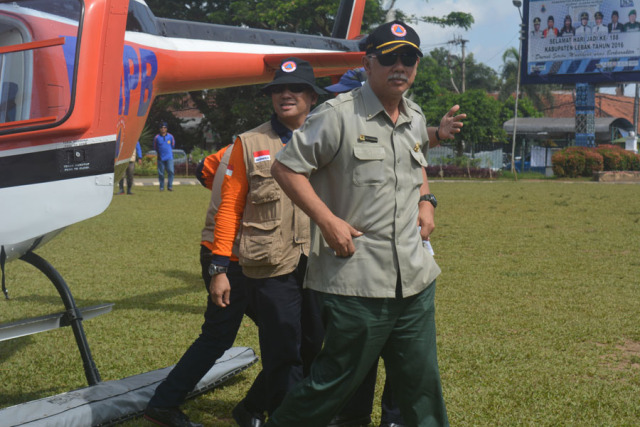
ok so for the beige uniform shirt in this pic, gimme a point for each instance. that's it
(368, 172)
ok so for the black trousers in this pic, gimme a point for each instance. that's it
(219, 331)
(290, 332)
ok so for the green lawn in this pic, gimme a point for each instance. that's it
(537, 306)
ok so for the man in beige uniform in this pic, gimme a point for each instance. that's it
(367, 193)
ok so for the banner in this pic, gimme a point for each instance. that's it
(589, 41)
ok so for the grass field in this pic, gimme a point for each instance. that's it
(537, 306)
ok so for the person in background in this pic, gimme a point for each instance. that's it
(357, 168)
(130, 169)
(550, 31)
(599, 28)
(615, 26)
(164, 143)
(350, 80)
(583, 29)
(567, 30)
(632, 25)
(536, 33)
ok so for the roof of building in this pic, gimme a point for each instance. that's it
(612, 112)
(564, 127)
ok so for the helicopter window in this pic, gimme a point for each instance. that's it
(38, 41)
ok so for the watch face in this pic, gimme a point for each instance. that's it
(216, 269)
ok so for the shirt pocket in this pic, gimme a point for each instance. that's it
(369, 165)
(417, 163)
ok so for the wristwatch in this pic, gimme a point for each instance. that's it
(429, 198)
(217, 269)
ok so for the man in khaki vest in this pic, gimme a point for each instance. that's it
(272, 244)
(220, 325)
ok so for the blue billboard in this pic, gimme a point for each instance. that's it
(587, 41)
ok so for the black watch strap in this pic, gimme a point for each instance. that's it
(429, 198)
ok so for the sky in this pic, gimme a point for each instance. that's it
(495, 29)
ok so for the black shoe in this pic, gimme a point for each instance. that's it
(245, 418)
(120, 192)
(350, 421)
(168, 417)
(170, 189)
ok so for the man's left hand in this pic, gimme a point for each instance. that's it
(426, 221)
(451, 123)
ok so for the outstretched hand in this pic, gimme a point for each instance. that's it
(451, 123)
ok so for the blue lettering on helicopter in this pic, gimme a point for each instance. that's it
(130, 78)
(148, 71)
(138, 74)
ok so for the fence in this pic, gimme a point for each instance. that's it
(442, 155)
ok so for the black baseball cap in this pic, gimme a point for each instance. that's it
(391, 36)
(294, 71)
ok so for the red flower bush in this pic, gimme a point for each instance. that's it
(618, 159)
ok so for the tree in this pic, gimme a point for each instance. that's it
(444, 71)
(483, 122)
(453, 19)
(233, 110)
(540, 95)
(432, 80)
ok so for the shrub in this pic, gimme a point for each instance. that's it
(615, 158)
(452, 171)
(577, 161)
(569, 162)
(594, 162)
(635, 162)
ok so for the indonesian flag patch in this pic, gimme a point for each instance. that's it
(261, 156)
(229, 171)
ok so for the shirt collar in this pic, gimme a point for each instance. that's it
(281, 130)
(373, 106)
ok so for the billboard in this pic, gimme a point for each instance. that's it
(586, 41)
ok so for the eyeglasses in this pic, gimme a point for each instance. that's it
(294, 88)
(408, 59)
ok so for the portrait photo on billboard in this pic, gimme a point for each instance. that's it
(581, 41)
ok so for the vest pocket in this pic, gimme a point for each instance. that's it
(369, 168)
(260, 243)
(264, 187)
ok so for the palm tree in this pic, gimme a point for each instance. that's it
(539, 94)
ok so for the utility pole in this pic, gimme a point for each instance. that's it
(517, 3)
(462, 42)
(635, 109)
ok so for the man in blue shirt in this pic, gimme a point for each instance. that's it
(164, 143)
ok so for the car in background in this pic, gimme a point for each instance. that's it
(182, 163)
(180, 157)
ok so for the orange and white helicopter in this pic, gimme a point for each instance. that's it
(77, 79)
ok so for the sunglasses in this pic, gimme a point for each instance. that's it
(408, 59)
(294, 88)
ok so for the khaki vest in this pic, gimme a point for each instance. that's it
(214, 204)
(273, 232)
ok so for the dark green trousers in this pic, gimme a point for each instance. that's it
(358, 331)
